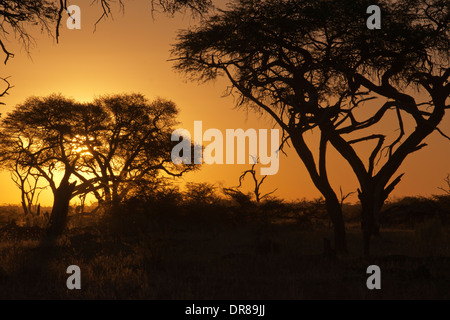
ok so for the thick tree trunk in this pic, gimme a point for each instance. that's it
(365, 225)
(320, 180)
(334, 210)
(371, 203)
(115, 200)
(60, 210)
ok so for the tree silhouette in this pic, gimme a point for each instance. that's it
(411, 54)
(311, 65)
(202, 193)
(27, 180)
(100, 148)
(257, 183)
(37, 135)
(127, 142)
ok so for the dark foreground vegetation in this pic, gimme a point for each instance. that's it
(198, 246)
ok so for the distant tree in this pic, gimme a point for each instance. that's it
(311, 64)
(38, 136)
(256, 183)
(127, 142)
(241, 198)
(200, 193)
(27, 180)
(160, 190)
(98, 148)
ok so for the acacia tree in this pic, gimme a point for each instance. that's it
(27, 180)
(408, 65)
(82, 148)
(256, 183)
(261, 47)
(126, 141)
(311, 64)
(38, 135)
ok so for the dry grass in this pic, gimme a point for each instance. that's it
(182, 258)
(217, 251)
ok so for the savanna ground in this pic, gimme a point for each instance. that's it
(224, 250)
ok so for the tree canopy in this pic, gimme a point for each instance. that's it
(105, 147)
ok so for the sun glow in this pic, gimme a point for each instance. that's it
(79, 145)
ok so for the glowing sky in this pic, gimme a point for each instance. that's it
(130, 54)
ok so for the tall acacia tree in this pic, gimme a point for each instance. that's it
(126, 140)
(89, 148)
(38, 136)
(311, 64)
(407, 64)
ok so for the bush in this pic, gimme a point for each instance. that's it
(200, 194)
(409, 211)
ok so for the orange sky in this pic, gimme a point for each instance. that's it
(130, 53)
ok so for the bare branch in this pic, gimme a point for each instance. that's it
(442, 133)
(8, 54)
(344, 196)
(447, 188)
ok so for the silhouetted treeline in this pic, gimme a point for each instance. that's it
(206, 202)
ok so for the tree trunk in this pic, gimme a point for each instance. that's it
(115, 200)
(25, 208)
(371, 203)
(365, 225)
(60, 210)
(334, 210)
(321, 182)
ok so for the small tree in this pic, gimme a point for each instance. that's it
(256, 183)
(200, 193)
(38, 136)
(28, 183)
